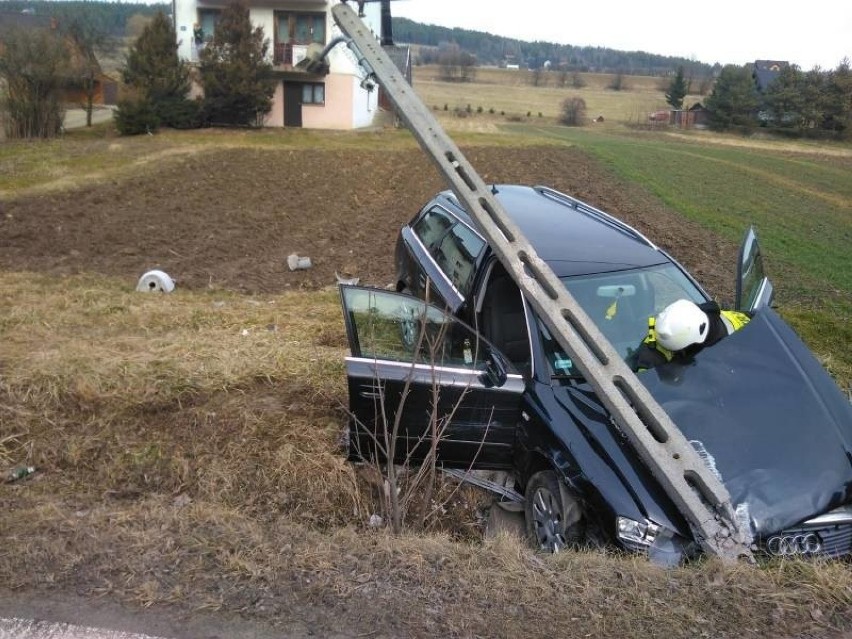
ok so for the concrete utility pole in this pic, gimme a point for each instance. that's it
(696, 491)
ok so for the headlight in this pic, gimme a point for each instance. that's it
(664, 546)
(636, 535)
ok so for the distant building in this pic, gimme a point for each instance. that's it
(764, 72)
(301, 99)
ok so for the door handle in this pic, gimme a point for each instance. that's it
(370, 391)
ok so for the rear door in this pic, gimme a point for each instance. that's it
(421, 382)
(754, 289)
(446, 252)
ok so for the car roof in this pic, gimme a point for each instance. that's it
(571, 236)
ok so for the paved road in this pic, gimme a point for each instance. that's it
(76, 118)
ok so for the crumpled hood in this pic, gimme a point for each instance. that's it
(772, 422)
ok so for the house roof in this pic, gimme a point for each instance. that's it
(765, 71)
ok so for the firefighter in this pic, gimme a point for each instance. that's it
(682, 329)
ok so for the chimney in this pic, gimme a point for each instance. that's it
(387, 25)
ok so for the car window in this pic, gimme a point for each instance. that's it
(396, 327)
(457, 254)
(430, 228)
(621, 303)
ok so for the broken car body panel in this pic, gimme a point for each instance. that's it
(774, 424)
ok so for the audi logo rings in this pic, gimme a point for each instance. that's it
(789, 545)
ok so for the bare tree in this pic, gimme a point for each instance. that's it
(410, 473)
(456, 65)
(573, 111)
(537, 77)
(618, 82)
(33, 66)
(86, 39)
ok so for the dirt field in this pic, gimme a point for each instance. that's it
(229, 219)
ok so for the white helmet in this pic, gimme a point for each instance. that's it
(681, 324)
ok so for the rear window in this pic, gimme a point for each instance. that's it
(431, 227)
(457, 255)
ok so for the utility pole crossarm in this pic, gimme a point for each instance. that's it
(696, 491)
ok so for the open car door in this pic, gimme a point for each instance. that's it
(422, 382)
(753, 287)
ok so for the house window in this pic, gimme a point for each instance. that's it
(300, 28)
(208, 18)
(313, 93)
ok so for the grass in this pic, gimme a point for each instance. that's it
(186, 453)
(513, 93)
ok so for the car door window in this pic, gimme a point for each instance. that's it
(397, 327)
(457, 254)
(753, 287)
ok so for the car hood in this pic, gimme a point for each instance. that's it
(767, 418)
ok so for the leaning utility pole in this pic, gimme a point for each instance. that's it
(695, 490)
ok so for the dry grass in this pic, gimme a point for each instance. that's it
(513, 93)
(187, 448)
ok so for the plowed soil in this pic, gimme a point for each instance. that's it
(229, 218)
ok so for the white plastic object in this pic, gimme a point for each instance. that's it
(155, 282)
(297, 263)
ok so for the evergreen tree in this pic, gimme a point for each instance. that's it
(733, 101)
(784, 98)
(152, 65)
(235, 74)
(838, 99)
(677, 90)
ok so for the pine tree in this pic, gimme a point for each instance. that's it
(235, 74)
(734, 99)
(677, 90)
(153, 67)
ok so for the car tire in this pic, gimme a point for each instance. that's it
(553, 515)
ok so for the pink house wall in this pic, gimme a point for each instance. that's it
(336, 113)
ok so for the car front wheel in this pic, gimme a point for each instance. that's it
(553, 514)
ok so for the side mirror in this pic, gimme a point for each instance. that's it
(494, 375)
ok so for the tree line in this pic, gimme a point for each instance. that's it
(816, 103)
(109, 18)
(495, 50)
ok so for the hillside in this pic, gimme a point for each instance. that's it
(491, 49)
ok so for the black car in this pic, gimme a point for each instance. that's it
(757, 406)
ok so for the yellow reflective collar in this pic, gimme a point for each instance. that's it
(736, 319)
(651, 340)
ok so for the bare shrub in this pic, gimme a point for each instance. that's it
(34, 69)
(573, 111)
(577, 80)
(618, 82)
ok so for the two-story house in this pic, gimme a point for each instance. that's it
(301, 99)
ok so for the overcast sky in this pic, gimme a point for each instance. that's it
(815, 32)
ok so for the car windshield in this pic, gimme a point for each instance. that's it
(620, 305)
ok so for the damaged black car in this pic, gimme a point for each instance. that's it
(459, 341)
